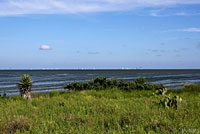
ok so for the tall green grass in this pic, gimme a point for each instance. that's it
(105, 111)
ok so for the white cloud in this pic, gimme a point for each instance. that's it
(153, 14)
(191, 30)
(45, 47)
(21, 7)
(181, 14)
(184, 30)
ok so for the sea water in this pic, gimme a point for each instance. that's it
(47, 80)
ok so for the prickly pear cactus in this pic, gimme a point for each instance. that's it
(170, 102)
(165, 100)
(161, 91)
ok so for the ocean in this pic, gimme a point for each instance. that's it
(47, 80)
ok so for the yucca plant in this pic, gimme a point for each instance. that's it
(25, 86)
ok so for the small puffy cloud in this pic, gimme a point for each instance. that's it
(45, 47)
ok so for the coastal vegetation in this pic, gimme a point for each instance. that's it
(105, 106)
(25, 86)
(102, 83)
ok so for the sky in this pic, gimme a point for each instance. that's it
(99, 34)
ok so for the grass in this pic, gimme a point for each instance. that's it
(102, 112)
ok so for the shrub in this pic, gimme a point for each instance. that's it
(86, 85)
(140, 84)
(123, 85)
(25, 86)
(101, 83)
(100, 80)
(140, 81)
(112, 83)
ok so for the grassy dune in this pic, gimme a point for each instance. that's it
(105, 111)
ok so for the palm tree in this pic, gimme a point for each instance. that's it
(25, 86)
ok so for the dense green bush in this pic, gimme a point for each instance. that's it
(101, 83)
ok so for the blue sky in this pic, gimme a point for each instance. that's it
(64, 34)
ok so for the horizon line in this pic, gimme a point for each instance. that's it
(42, 69)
